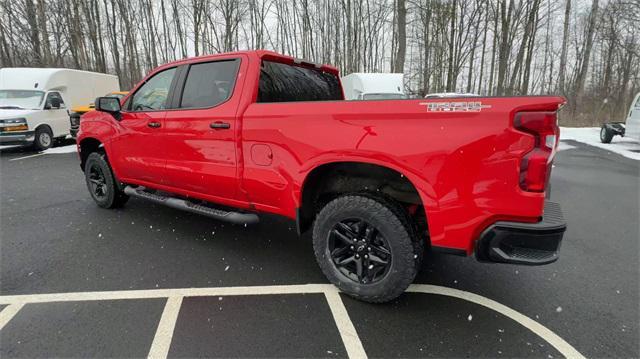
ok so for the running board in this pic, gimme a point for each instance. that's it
(185, 205)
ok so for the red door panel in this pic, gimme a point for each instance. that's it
(200, 137)
(138, 149)
(201, 159)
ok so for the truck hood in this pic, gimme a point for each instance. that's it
(16, 113)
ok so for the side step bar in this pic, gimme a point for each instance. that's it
(185, 205)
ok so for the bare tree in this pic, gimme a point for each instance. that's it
(565, 45)
(493, 47)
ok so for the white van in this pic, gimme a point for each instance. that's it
(373, 86)
(630, 128)
(34, 102)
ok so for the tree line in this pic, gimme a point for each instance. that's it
(586, 50)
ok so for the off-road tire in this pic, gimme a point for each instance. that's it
(606, 135)
(392, 223)
(40, 143)
(417, 239)
(113, 197)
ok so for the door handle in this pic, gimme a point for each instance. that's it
(153, 124)
(219, 125)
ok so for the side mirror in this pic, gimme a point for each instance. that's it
(110, 105)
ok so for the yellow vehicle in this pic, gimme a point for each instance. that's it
(78, 111)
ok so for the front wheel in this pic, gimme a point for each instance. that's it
(101, 182)
(43, 138)
(606, 135)
(365, 247)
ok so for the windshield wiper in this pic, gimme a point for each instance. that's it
(11, 108)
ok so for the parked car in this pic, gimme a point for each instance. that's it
(373, 86)
(78, 111)
(252, 132)
(630, 128)
(34, 102)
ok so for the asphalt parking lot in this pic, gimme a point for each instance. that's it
(149, 279)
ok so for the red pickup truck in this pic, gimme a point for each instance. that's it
(232, 135)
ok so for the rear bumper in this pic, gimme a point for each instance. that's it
(17, 138)
(524, 243)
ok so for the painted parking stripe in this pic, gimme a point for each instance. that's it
(164, 333)
(345, 326)
(25, 157)
(543, 332)
(8, 313)
(165, 293)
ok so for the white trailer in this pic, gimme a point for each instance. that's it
(373, 86)
(34, 102)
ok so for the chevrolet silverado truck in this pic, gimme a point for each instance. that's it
(233, 135)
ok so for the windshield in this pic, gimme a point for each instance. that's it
(21, 99)
(383, 96)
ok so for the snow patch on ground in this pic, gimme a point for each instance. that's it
(565, 146)
(53, 150)
(63, 149)
(591, 136)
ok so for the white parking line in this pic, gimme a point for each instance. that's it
(345, 326)
(164, 334)
(166, 293)
(347, 331)
(7, 313)
(543, 332)
(25, 157)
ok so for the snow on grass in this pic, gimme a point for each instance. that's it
(623, 146)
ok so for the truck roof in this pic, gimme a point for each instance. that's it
(261, 54)
(33, 78)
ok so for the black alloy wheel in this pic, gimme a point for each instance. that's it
(101, 182)
(97, 181)
(367, 246)
(359, 251)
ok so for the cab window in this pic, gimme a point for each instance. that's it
(51, 98)
(209, 84)
(286, 83)
(153, 94)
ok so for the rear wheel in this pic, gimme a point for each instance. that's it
(43, 138)
(365, 247)
(606, 135)
(101, 182)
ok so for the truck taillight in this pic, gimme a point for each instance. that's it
(535, 167)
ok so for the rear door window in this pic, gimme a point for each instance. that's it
(209, 84)
(287, 83)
